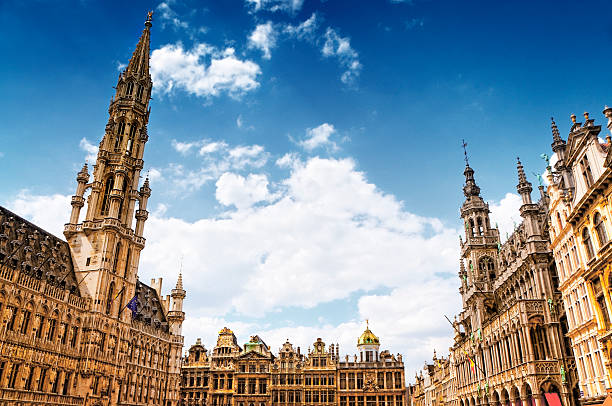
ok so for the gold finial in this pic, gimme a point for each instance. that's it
(586, 115)
(367, 323)
(573, 117)
(149, 16)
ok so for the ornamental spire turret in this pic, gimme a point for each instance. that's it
(524, 186)
(558, 142)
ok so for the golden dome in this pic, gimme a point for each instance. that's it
(367, 337)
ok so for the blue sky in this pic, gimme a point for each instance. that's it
(305, 146)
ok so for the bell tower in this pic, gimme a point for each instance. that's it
(105, 245)
(479, 254)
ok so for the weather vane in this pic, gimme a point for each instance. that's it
(464, 145)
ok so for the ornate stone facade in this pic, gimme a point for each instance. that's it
(78, 327)
(509, 343)
(579, 215)
(253, 376)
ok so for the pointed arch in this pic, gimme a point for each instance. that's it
(104, 207)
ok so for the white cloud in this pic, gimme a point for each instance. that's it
(217, 157)
(318, 137)
(288, 6)
(49, 212)
(90, 149)
(239, 121)
(210, 147)
(505, 214)
(184, 147)
(263, 38)
(202, 71)
(289, 160)
(340, 47)
(241, 192)
(169, 16)
(304, 30)
(154, 175)
(326, 235)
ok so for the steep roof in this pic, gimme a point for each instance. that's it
(35, 252)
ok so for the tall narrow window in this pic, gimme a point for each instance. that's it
(129, 88)
(127, 263)
(109, 297)
(116, 259)
(480, 228)
(588, 245)
(139, 92)
(119, 136)
(130, 143)
(110, 182)
(600, 228)
(586, 171)
(124, 190)
(13, 376)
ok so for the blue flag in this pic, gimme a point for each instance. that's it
(133, 305)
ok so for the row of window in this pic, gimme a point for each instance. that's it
(252, 386)
(590, 363)
(253, 367)
(129, 89)
(381, 400)
(40, 379)
(577, 306)
(385, 380)
(47, 328)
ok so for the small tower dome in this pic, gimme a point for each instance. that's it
(368, 345)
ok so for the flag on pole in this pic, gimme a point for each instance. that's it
(133, 305)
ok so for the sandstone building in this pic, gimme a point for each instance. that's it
(510, 342)
(579, 215)
(253, 376)
(78, 327)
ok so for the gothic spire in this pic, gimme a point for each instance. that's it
(524, 186)
(558, 142)
(139, 62)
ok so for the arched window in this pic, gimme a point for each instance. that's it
(486, 266)
(109, 298)
(119, 136)
(123, 198)
(129, 88)
(588, 245)
(110, 182)
(480, 228)
(131, 137)
(586, 171)
(139, 92)
(600, 228)
(472, 228)
(116, 259)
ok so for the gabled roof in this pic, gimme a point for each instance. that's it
(150, 309)
(35, 252)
